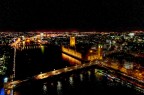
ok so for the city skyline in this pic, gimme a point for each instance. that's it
(60, 63)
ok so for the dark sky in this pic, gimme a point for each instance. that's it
(25, 15)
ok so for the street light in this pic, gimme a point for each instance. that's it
(91, 51)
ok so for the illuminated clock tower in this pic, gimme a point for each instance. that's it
(100, 51)
(72, 41)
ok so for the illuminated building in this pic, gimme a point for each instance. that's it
(72, 41)
(131, 35)
(100, 51)
(92, 55)
(72, 52)
(128, 65)
(28, 40)
(23, 38)
(41, 36)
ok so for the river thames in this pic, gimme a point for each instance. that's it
(88, 81)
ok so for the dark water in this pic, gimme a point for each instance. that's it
(34, 60)
(84, 82)
(90, 81)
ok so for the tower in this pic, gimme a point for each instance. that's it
(41, 36)
(99, 51)
(72, 41)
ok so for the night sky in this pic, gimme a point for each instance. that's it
(99, 15)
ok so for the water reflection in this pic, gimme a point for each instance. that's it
(81, 77)
(89, 74)
(59, 88)
(98, 75)
(70, 59)
(95, 70)
(44, 89)
(42, 49)
(73, 84)
(27, 47)
(110, 83)
(71, 80)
